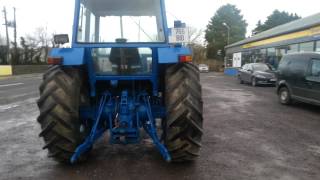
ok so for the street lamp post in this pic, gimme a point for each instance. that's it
(228, 27)
(228, 41)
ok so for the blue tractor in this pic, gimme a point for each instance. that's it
(121, 76)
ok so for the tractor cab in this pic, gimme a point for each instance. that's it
(122, 31)
(120, 21)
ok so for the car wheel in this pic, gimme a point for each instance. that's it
(254, 82)
(240, 80)
(284, 96)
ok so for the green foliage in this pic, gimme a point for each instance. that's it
(275, 19)
(217, 33)
(3, 55)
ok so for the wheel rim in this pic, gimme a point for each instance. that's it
(284, 95)
(254, 83)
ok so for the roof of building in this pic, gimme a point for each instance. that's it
(292, 26)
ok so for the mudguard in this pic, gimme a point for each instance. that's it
(171, 55)
(71, 56)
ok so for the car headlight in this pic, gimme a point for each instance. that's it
(260, 76)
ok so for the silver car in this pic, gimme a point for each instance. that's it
(203, 68)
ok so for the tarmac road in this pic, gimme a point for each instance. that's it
(248, 135)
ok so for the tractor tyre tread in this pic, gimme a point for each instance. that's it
(59, 116)
(183, 125)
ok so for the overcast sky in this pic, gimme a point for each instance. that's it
(57, 15)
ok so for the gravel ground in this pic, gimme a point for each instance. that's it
(248, 135)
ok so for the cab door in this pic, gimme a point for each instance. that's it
(313, 81)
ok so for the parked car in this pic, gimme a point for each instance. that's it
(299, 78)
(256, 74)
(203, 68)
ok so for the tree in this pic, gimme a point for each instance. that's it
(25, 48)
(44, 40)
(35, 46)
(216, 34)
(275, 19)
(3, 51)
(198, 53)
(195, 43)
(195, 35)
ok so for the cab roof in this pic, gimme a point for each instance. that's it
(124, 7)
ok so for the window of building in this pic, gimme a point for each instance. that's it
(263, 55)
(246, 55)
(271, 57)
(280, 52)
(318, 46)
(257, 56)
(271, 51)
(306, 47)
(293, 48)
(229, 59)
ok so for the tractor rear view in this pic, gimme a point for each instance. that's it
(120, 76)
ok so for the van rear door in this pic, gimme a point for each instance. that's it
(313, 81)
(298, 67)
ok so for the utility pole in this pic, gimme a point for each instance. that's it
(14, 60)
(7, 33)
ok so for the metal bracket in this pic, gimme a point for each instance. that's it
(95, 132)
(124, 118)
(151, 129)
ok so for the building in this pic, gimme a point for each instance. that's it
(301, 35)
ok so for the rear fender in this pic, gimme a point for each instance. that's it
(71, 56)
(171, 55)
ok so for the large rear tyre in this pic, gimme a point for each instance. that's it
(61, 94)
(183, 125)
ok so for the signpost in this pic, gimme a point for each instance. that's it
(179, 35)
(236, 60)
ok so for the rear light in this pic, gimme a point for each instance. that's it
(185, 58)
(55, 60)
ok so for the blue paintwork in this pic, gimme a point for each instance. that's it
(71, 56)
(121, 110)
(231, 71)
(96, 131)
(125, 116)
(179, 24)
(171, 55)
(120, 45)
